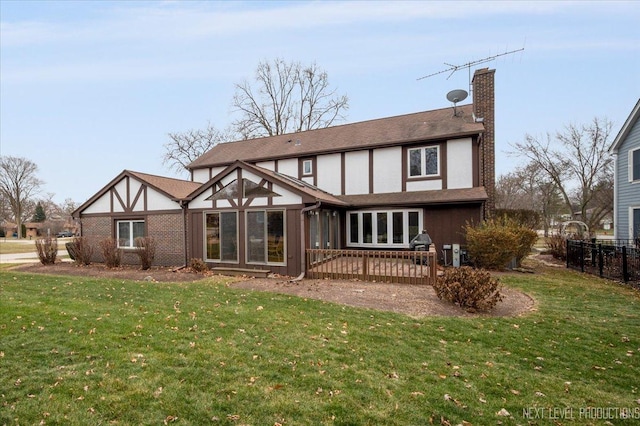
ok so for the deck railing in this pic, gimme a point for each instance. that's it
(410, 267)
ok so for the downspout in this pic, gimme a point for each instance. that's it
(184, 205)
(302, 240)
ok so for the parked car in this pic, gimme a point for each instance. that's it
(64, 234)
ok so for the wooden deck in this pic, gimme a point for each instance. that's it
(411, 267)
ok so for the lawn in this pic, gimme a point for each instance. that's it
(79, 351)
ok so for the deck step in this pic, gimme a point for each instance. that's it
(257, 273)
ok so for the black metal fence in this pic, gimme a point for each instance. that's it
(612, 259)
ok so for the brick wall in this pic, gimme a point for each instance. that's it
(166, 229)
(168, 232)
(484, 107)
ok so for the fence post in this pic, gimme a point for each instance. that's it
(581, 255)
(600, 260)
(625, 270)
(566, 243)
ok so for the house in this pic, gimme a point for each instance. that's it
(261, 203)
(626, 197)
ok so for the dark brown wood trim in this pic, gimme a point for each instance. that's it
(443, 164)
(371, 171)
(404, 168)
(122, 204)
(314, 169)
(142, 190)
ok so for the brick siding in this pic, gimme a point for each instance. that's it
(166, 229)
(484, 107)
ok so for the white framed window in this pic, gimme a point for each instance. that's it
(307, 167)
(423, 161)
(383, 228)
(634, 165)
(127, 231)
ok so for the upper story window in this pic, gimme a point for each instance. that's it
(423, 162)
(307, 167)
(127, 232)
(634, 165)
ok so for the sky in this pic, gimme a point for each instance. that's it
(91, 88)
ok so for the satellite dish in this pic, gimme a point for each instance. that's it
(457, 95)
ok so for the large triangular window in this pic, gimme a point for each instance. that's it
(229, 192)
(250, 189)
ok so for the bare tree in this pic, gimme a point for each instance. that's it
(287, 98)
(18, 183)
(578, 164)
(186, 147)
(529, 188)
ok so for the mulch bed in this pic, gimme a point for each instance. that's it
(413, 300)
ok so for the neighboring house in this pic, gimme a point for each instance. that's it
(626, 198)
(262, 202)
(31, 229)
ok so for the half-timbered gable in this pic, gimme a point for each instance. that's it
(251, 217)
(136, 205)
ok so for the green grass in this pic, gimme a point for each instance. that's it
(79, 351)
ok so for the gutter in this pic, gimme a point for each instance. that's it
(302, 240)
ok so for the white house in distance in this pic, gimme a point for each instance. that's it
(626, 197)
(260, 203)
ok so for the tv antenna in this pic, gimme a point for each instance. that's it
(453, 68)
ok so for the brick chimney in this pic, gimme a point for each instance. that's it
(484, 108)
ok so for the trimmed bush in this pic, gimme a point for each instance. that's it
(47, 249)
(80, 251)
(556, 246)
(146, 250)
(494, 243)
(198, 265)
(110, 252)
(471, 289)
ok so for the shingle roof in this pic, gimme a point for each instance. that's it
(420, 126)
(176, 188)
(448, 196)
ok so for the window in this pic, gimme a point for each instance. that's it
(307, 167)
(634, 165)
(265, 236)
(424, 161)
(128, 231)
(386, 228)
(221, 236)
